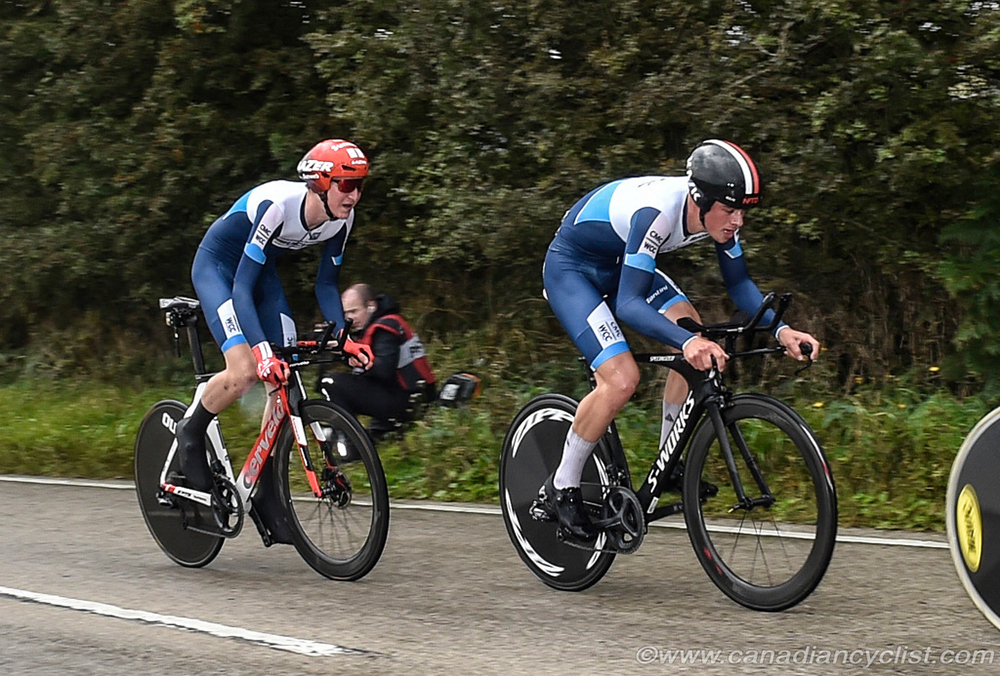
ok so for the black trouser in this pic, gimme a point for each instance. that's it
(361, 395)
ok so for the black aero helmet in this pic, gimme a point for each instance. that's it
(720, 171)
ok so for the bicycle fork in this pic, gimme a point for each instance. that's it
(291, 399)
(743, 501)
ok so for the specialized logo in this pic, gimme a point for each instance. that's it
(255, 463)
(970, 527)
(671, 442)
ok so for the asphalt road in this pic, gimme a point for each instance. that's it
(85, 590)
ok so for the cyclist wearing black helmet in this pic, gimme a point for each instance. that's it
(601, 266)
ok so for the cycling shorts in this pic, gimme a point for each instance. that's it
(213, 282)
(582, 294)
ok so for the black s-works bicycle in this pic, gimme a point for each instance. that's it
(757, 493)
(312, 479)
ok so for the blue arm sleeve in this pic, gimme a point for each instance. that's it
(327, 278)
(258, 248)
(739, 286)
(635, 282)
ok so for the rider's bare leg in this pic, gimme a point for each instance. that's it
(616, 381)
(676, 389)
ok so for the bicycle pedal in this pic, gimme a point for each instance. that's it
(539, 511)
(164, 499)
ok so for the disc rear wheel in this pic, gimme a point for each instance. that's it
(531, 452)
(173, 522)
(973, 515)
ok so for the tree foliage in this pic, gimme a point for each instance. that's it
(126, 127)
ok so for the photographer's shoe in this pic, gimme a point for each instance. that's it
(567, 505)
(191, 457)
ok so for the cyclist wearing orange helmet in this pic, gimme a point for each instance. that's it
(236, 279)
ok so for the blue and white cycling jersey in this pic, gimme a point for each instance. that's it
(234, 269)
(607, 245)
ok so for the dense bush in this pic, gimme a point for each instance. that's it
(126, 127)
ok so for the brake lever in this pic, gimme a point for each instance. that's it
(326, 336)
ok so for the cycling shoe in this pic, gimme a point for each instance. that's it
(567, 505)
(192, 459)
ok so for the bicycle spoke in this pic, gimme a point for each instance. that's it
(342, 533)
(770, 550)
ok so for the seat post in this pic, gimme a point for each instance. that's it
(197, 357)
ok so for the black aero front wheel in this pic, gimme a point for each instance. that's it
(531, 452)
(173, 524)
(341, 534)
(973, 515)
(770, 551)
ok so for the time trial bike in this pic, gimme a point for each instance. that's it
(312, 479)
(756, 490)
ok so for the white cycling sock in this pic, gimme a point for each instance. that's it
(576, 450)
(670, 412)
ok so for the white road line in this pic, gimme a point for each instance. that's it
(294, 645)
(495, 510)
(80, 483)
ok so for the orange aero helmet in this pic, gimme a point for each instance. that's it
(332, 159)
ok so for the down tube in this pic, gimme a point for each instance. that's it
(649, 493)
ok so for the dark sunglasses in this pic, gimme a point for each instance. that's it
(346, 185)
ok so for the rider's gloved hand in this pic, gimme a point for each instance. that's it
(270, 368)
(360, 355)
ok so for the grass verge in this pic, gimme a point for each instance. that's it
(890, 451)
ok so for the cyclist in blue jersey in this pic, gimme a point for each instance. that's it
(601, 266)
(236, 279)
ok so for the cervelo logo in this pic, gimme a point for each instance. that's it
(671, 442)
(263, 448)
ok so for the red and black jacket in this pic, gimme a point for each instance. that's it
(412, 365)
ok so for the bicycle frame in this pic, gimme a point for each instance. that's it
(287, 405)
(706, 396)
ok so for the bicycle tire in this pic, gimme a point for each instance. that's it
(783, 562)
(531, 451)
(339, 541)
(972, 515)
(166, 523)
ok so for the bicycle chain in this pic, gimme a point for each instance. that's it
(569, 541)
